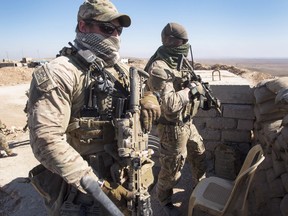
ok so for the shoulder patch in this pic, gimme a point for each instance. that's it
(40, 76)
(43, 80)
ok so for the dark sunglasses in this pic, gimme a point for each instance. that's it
(105, 27)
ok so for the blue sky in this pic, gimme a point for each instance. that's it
(216, 28)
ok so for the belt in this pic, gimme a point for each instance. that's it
(164, 121)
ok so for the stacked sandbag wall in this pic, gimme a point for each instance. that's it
(269, 190)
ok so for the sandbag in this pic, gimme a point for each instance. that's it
(270, 116)
(270, 107)
(285, 120)
(263, 94)
(277, 84)
(282, 97)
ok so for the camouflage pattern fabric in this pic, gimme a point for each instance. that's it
(102, 10)
(2, 126)
(61, 142)
(176, 135)
(51, 109)
(3, 141)
(4, 144)
(49, 116)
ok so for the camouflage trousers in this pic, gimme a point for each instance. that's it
(177, 144)
(4, 144)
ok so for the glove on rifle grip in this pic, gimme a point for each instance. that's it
(92, 187)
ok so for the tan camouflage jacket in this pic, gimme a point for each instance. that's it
(56, 97)
(165, 81)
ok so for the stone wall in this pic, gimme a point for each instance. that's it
(232, 128)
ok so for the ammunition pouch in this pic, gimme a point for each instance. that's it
(60, 197)
(78, 203)
(101, 163)
(92, 131)
(46, 183)
(147, 173)
(196, 104)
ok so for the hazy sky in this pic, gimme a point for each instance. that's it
(217, 28)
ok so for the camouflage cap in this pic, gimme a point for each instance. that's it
(174, 30)
(102, 10)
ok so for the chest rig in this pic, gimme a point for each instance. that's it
(106, 97)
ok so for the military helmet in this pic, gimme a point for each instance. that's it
(102, 10)
(174, 30)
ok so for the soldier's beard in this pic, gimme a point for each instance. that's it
(105, 48)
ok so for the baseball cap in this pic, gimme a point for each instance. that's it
(102, 10)
(174, 30)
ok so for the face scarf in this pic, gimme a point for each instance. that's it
(104, 48)
(169, 55)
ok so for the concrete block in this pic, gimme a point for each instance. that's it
(210, 135)
(236, 136)
(238, 111)
(207, 113)
(200, 123)
(230, 88)
(211, 145)
(244, 124)
(221, 123)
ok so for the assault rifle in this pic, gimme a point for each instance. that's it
(207, 101)
(133, 147)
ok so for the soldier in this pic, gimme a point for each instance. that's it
(175, 129)
(3, 141)
(72, 102)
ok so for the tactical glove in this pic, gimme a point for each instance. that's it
(150, 110)
(196, 89)
(116, 192)
(93, 188)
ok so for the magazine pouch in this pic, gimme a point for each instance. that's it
(47, 184)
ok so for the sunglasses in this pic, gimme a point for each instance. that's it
(105, 27)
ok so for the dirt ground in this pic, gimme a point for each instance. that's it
(17, 196)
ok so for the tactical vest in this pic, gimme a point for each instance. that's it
(191, 108)
(106, 98)
(180, 80)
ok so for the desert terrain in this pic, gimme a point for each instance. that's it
(17, 196)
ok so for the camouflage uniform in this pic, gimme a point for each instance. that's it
(175, 129)
(56, 133)
(71, 131)
(3, 141)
